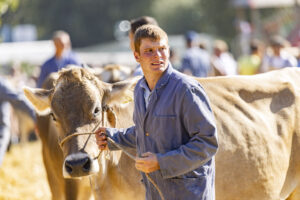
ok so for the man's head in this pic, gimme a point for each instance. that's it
(136, 23)
(191, 38)
(151, 32)
(151, 49)
(62, 42)
(220, 47)
(277, 43)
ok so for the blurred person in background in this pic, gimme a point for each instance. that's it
(222, 61)
(195, 61)
(250, 64)
(134, 25)
(8, 95)
(63, 56)
(277, 58)
(174, 59)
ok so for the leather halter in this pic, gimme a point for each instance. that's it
(67, 138)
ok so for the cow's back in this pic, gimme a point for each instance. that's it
(257, 122)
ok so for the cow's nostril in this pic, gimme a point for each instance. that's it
(68, 167)
(87, 165)
(78, 164)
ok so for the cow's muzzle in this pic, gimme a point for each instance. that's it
(79, 164)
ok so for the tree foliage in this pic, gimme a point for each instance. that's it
(218, 18)
(90, 21)
(5, 5)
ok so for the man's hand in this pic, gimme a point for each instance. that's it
(101, 138)
(147, 163)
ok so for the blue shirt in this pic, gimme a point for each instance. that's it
(16, 99)
(178, 125)
(138, 71)
(196, 61)
(54, 65)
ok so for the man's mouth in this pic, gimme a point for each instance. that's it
(157, 63)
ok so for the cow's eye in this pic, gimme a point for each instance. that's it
(96, 111)
(52, 116)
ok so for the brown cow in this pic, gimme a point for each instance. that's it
(77, 99)
(257, 120)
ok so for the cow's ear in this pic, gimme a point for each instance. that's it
(121, 92)
(40, 99)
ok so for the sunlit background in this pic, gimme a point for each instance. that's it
(99, 35)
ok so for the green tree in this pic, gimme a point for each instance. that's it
(88, 21)
(218, 18)
(7, 4)
(178, 16)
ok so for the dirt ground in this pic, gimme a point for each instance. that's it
(22, 174)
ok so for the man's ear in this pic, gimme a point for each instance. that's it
(39, 98)
(136, 56)
(121, 92)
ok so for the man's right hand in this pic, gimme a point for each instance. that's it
(101, 138)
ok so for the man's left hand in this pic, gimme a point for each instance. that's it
(147, 163)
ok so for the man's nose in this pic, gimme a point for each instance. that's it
(157, 53)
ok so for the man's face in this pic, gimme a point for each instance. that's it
(153, 56)
(61, 44)
(276, 50)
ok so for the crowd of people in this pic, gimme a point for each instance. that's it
(262, 57)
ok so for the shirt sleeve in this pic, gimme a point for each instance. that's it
(125, 137)
(16, 99)
(199, 122)
(73, 59)
(43, 75)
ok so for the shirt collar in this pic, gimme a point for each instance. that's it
(161, 82)
(144, 84)
(165, 77)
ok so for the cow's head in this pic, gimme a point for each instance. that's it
(76, 103)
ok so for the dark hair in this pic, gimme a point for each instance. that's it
(152, 32)
(138, 22)
(277, 41)
(254, 45)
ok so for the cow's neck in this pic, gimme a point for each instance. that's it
(118, 172)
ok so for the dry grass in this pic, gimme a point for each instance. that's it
(22, 174)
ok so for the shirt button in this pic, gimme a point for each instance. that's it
(147, 134)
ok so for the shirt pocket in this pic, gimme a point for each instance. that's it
(187, 188)
(166, 116)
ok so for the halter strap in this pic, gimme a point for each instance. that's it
(67, 138)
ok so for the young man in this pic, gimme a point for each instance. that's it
(175, 133)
